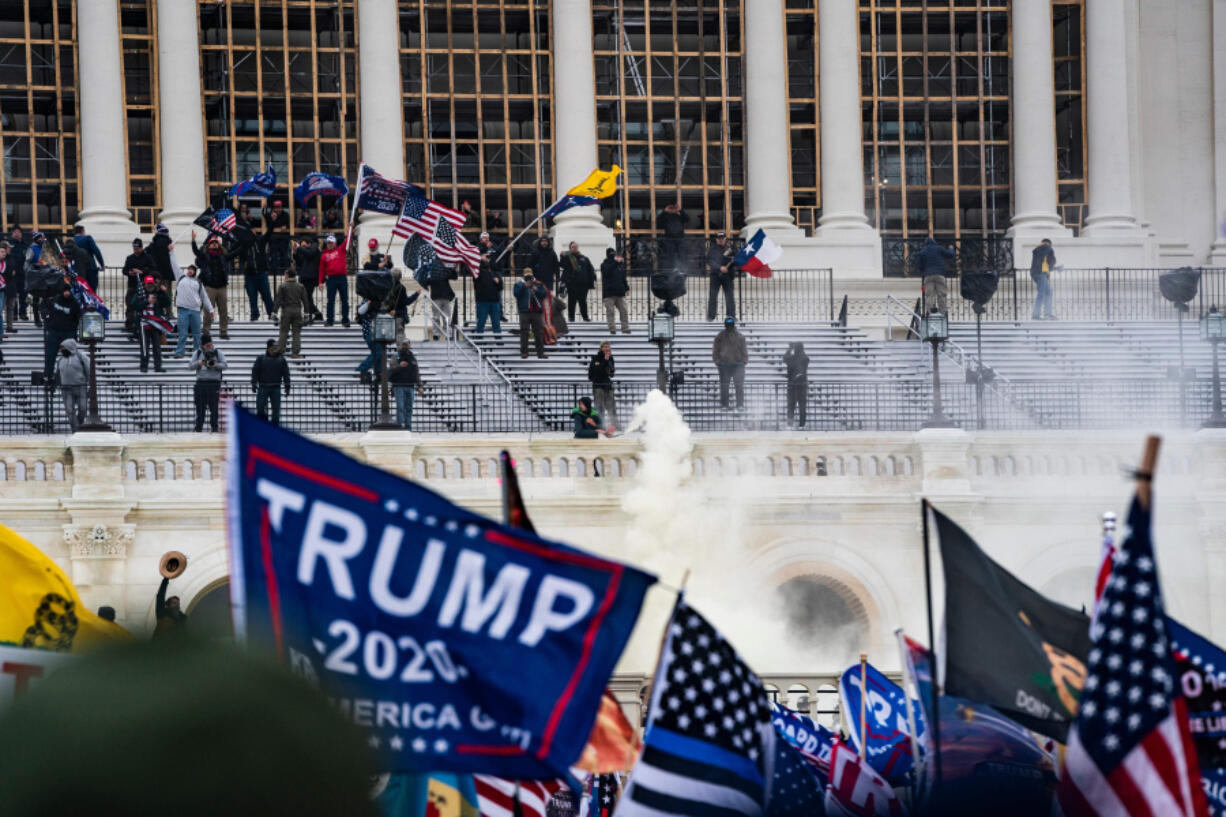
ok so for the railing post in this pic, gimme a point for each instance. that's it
(1107, 290)
(161, 410)
(1015, 313)
(473, 403)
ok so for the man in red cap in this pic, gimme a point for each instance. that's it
(276, 238)
(376, 260)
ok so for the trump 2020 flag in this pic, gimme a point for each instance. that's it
(462, 645)
(888, 743)
(600, 184)
(757, 255)
(262, 184)
(318, 183)
(1201, 666)
(808, 737)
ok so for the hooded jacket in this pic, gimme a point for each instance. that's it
(545, 264)
(931, 260)
(797, 363)
(580, 416)
(270, 371)
(600, 371)
(577, 273)
(159, 252)
(488, 286)
(214, 267)
(307, 259)
(207, 374)
(613, 283)
(1042, 253)
(72, 370)
(63, 315)
(729, 348)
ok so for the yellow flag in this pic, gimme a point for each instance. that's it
(599, 184)
(445, 798)
(39, 607)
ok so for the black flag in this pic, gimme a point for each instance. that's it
(1007, 645)
(514, 511)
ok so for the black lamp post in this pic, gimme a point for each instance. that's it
(93, 332)
(1213, 329)
(934, 330)
(661, 330)
(978, 288)
(385, 334)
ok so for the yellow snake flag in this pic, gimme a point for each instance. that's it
(599, 184)
(39, 607)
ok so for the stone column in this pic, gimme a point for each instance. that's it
(842, 149)
(574, 122)
(381, 125)
(104, 183)
(1034, 123)
(180, 122)
(767, 177)
(1109, 123)
(1217, 255)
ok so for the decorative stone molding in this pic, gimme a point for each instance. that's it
(99, 541)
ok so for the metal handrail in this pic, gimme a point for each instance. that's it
(468, 349)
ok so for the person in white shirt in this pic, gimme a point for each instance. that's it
(192, 302)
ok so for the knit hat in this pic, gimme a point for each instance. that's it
(162, 228)
(330, 238)
(729, 321)
(136, 242)
(205, 337)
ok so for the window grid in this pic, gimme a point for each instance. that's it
(138, 55)
(279, 88)
(804, 117)
(659, 65)
(935, 90)
(477, 102)
(1068, 26)
(39, 174)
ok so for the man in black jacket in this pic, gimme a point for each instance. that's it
(797, 363)
(614, 287)
(671, 221)
(487, 289)
(15, 291)
(135, 267)
(1042, 262)
(276, 237)
(600, 372)
(214, 265)
(545, 263)
(306, 259)
(252, 261)
(443, 297)
(719, 269)
(268, 373)
(578, 277)
(63, 313)
(930, 261)
(159, 252)
(405, 379)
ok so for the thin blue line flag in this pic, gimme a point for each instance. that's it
(462, 645)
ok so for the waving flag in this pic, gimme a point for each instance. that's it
(222, 221)
(422, 216)
(262, 184)
(329, 555)
(709, 736)
(600, 184)
(757, 255)
(796, 788)
(1202, 677)
(150, 318)
(454, 248)
(1106, 560)
(87, 298)
(497, 797)
(855, 790)
(380, 194)
(1130, 751)
(806, 736)
(318, 183)
(888, 744)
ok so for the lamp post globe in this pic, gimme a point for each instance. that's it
(93, 332)
(384, 335)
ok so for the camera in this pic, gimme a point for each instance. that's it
(210, 357)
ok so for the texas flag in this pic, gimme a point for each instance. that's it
(757, 255)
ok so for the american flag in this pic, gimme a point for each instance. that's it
(453, 248)
(1106, 560)
(709, 738)
(496, 796)
(87, 298)
(856, 790)
(1130, 751)
(224, 221)
(796, 789)
(150, 318)
(422, 216)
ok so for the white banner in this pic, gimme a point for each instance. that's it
(21, 670)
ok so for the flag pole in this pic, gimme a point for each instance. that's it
(353, 211)
(907, 682)
(1145, 475)
(932, 645)
(863, 706)
(504, 463)
(515, 240)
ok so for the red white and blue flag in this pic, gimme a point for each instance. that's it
(422, 216)
(1130, 751)
(855, 790)
(757, 255)
(380, 194)
(497, 796)
(87, 298)
(152, 320)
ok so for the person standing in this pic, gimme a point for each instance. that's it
(208, 363)
(930, 262)
(578, 278)
(1042, 262)
(487, 289)
(719, 268)
(72, 373)
(93, 256)
(136, 267)
(600, 372)
(396, 303)
(276, 238)
(160, 248)
(333, 272)
(17, 276)
(376, 260)
(370, 367)
(671, 221)
(213, 270)
(443, 297)
(545, 264)
(291, 303)
(269, 372)
(63, 316)
(405, 379)
(36, 262)
(731, 355)
(614, 287)
(155, 324)
(306, 259)
(251, 262)
(6, 303)
(192, 302)
(797, 363)
(531, 301)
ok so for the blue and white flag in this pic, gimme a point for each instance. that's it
(262, 184)
(318, 183)
(888, 745)
(808, 737)
(462, 645)
(1201, 667)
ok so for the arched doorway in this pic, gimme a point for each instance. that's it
(209, 615)
(820, 611)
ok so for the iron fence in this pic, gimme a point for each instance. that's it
(973, 254)
(895, 405)
(1100, 294)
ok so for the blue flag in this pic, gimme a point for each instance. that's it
(567, 202)
(888, 746)
(808, 737)
(1201, 667)
(318, 183)
(462, 645)
(381, 194)
(796, 789)
(262, 184)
